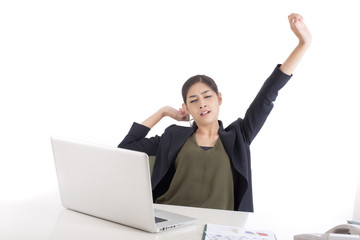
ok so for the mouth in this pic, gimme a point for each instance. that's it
(204, 113)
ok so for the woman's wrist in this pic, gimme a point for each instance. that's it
(304, 44)
(163, 112)
(155, 118)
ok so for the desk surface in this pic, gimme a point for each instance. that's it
(45, 218)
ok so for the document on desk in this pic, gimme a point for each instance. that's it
(221, 232)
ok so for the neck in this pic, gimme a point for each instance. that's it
(209, 130)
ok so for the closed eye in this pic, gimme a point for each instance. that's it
(195, 100)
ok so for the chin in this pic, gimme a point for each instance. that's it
(206, 121)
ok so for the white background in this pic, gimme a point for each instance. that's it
(88, 69)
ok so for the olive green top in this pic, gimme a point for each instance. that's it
(203, 178)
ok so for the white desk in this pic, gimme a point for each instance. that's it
(45, 218)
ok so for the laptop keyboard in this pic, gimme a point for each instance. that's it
(159, 220)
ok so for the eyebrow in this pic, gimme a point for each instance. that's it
(193, 96)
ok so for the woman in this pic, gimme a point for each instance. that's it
(206, 165)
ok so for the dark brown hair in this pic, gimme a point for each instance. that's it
(195, 79)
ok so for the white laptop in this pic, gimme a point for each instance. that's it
(110, 183)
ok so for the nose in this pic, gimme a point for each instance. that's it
(202, 103)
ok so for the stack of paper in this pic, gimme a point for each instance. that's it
(221, 232)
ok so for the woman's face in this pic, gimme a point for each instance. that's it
(203, 104)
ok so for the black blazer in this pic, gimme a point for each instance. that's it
(236, 139)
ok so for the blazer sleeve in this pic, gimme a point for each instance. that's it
(262, 105)
(136, 140)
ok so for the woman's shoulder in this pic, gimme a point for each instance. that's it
(178, 132)
(178, 128)
(234, 125)
(175, 134)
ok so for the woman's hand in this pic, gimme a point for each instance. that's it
(299, 28)
(179, 115)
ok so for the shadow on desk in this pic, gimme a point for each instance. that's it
(75, 225)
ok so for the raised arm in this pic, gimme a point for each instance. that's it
(136, 138)
(262, 105)
(299, 28)
(179, 115)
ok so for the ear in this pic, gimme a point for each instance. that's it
(184, 106)
(220, 98)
